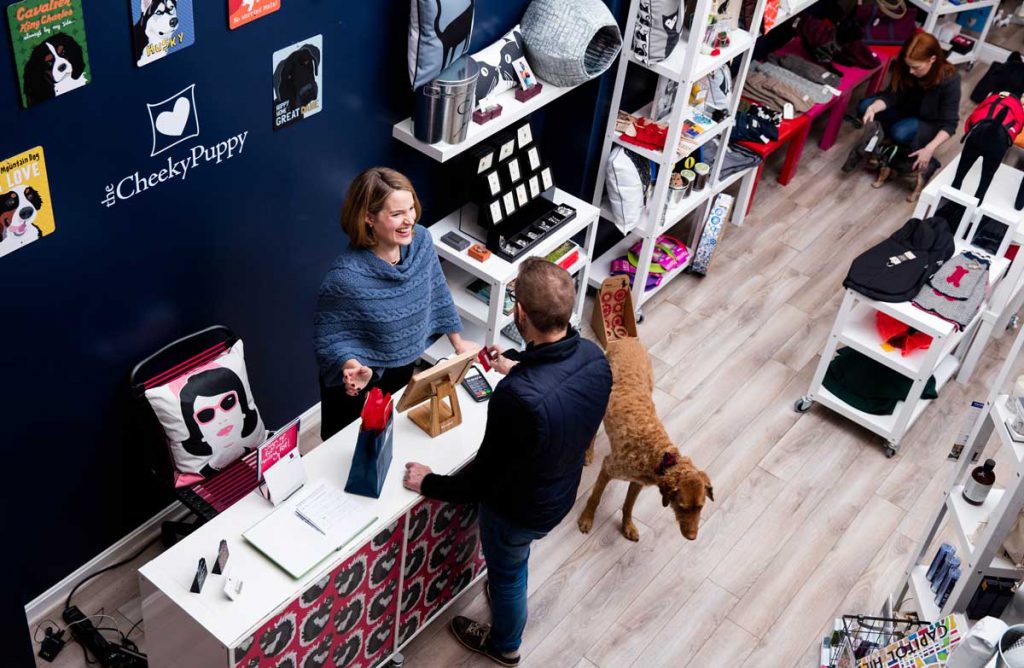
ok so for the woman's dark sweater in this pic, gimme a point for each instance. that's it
(937, 108)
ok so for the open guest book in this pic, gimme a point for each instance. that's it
(314, 522)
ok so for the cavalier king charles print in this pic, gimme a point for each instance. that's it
(54, 67)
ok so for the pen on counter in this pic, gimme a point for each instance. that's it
(299, 515)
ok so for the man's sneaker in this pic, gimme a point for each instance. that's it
(474, 636)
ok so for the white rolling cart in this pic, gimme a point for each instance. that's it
(950, 349)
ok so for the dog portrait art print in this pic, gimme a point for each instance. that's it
(26, 211)
(298, 81)
(160, 27)
(48, 38)
(241, 12)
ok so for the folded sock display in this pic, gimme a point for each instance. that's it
(774, 93)
(806, 69)
(868, 385)
(809, 90)
(955, 292)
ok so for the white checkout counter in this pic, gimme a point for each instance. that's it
(355, 608)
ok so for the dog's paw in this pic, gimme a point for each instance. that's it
(912, 197)
(877, 184)
(629, 530)
(588, 457)
(586, 522)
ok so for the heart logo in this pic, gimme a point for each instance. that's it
(172, 123)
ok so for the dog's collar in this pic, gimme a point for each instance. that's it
(668, 460)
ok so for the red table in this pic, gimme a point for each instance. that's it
(794, 132)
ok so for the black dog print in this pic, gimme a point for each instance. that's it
(379, 637)
(274, 640)
(453, 32)
(382, 538)
(443, 519)
(287, 662)
(310, 596)
(243, 648)
(415, 560)
(467, 517)
(348, 579)
(408, 628)
(439, 555)
(316, 621)
(418, 521)
(348, 651)
(460, 581)
(411, 595)
(295, 77)
(437, 586)
(465, 550)
(382, 601)
(384, 565)
(317, 657)
(54, 67)
(346, 618)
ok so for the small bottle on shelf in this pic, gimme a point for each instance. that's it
(980, 482)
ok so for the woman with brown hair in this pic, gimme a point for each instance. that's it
(383, 301)
(921, 107)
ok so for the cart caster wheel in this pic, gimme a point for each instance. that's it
(803, 404)
(890, 452)
(639, 317)
(1013, 322)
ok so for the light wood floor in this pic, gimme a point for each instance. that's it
(810, 519)
(1011, 37)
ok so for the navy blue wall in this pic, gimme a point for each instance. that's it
(243, 243)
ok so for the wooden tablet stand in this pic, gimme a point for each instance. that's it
(438, 415)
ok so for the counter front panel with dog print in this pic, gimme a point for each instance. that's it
(50, 54)
(26, 211)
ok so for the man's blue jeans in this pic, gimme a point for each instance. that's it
(507, 552)
(900, 130)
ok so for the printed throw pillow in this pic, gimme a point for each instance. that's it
(627, 179)
(497, 74)
(209, 417)
(657, 30)
(439, 34)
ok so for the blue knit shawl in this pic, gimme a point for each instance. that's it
(379, 314)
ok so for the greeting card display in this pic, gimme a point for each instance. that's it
(160, 27)
(298, 81)
(26, 211)
(50, 52)
(241, 12)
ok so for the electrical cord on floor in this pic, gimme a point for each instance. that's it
(67, 603)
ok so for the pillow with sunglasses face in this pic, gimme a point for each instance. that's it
(209, 417)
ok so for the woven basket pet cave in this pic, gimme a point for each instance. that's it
(569, 42)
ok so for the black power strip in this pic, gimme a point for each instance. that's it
(108, 654)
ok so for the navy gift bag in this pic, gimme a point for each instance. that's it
(373, 454)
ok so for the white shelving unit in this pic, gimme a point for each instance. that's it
(483, 322)
(855, 328)
(1005, 300)
(512, 110)
(685, 66)
(937, 9)
(979, 530)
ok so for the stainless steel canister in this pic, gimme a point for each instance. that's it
(688, 180)
(444, 106)
(703, 171)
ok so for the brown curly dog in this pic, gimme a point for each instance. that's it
(642, 452)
